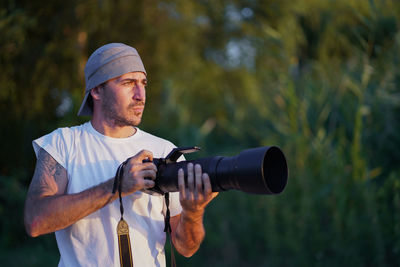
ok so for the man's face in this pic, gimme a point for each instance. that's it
(123, 99)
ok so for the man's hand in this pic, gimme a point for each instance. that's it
(187, 228)
(139, 175)
(195, 196)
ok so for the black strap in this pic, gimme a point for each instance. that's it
(168, 230)
(124, 241)
(124, 244)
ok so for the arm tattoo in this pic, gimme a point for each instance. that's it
(50, 178)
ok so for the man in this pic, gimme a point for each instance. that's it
(71, 189)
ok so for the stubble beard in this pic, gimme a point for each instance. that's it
(121, 120)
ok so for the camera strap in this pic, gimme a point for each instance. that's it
(168, 230)
(124, 241)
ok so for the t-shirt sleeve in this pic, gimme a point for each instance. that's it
(54, 143)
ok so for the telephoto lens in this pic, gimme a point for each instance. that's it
(261, 170)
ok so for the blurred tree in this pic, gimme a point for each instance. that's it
(318, 78)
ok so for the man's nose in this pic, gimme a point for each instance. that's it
(139, 93)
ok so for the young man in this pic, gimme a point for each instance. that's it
(71, 190)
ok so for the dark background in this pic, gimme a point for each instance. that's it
(320, 79)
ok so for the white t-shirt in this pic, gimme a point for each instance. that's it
(91, 158)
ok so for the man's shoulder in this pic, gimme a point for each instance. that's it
(75, 128)
(71, 130)
(159, 146)
(59, 141)
(151, 137)
(66, 134)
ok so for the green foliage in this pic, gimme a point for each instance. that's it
(320, 79)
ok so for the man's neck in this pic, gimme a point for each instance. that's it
(112, 130)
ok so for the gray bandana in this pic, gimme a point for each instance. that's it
(107, 62)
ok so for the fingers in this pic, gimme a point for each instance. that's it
(142, 161)
(189, 189)
(137, 178)
(181, 182)
(142, 155)
(198, 184)
(148, 184)
(196, 191)
(147, 172)
(198, 180)
(190, 178)
(138, 174)
(206, 183)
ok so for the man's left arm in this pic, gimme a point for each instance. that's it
(187, 228)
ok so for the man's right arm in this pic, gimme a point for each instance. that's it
(48, 208)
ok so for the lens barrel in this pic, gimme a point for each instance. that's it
(261, 170)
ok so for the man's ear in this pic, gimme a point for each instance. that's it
(95, 93)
